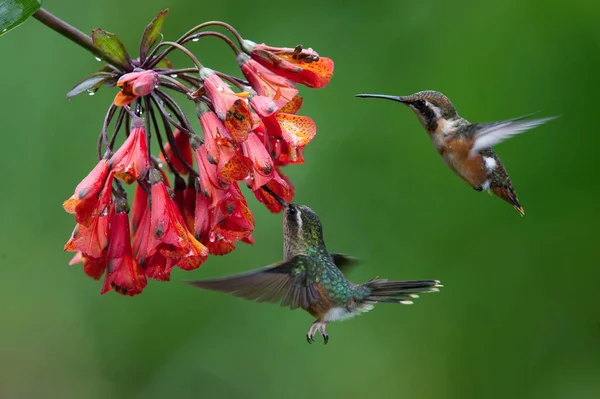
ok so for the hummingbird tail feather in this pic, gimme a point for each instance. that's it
(399, 291)
(509, 195)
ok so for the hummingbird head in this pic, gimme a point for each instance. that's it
(301, 226)
(430, 106)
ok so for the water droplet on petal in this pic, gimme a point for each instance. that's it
(98, 59)
(212, 237)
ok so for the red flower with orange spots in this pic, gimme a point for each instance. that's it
(249, 129)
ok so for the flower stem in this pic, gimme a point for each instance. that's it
(73, 34)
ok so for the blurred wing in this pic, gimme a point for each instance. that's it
(344, 262)
(489, 134)
(285, 281)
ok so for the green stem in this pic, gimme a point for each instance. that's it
(73, 34)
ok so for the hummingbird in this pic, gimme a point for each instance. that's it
(313, 279)
(467, 147)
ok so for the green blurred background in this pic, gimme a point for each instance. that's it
(519, 314)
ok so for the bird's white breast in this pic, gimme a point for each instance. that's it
(342, 313)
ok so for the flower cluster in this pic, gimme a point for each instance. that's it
(251, 128)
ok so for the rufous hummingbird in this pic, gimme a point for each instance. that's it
(311, 278)
(467, 147)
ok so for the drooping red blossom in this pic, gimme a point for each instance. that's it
(298, 64)
(134, 85)
(263, 168)
(168, 232)
(123, 273)
(267, 83)
(131, 161)
(182, 142)
(250, 129)
(93, 267)
(139, 207)
(84, 201)
(221, 149)
(281, 186)
(230, 107)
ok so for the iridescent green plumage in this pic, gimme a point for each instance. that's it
(312, 279)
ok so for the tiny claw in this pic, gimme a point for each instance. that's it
(309, 339)
(325, 339)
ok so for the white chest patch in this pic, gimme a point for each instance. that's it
(490, 163)
(339, 314)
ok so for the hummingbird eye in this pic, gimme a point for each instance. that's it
(419, 104)
(292, 209)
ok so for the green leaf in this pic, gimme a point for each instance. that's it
(110, 45)
(14, 12)
(151, 34)
(91, 84)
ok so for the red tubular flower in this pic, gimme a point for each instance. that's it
(296, 64)
(131, 162)
(84, 201)
(139, 207)
(262, 163)
(168, 232)
(230, 107)
(155, 266)
(296, 130)
(222, 225)
(185, 151)
(185, 198)
(267, 83)
(281, 186)
(123, 273)
(134, 85)
(93, 267)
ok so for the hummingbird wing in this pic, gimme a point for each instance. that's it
(488, 134)
(286, 282)
(344, 262)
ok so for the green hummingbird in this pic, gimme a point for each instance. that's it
(311, 278)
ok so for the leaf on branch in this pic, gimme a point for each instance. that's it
(109, 44)
(14, 12)
(91, 84)
(151, 34)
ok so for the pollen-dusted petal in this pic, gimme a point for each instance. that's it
(233, 166)
(124, 274)
(315, 74)
(182, 142)
(131, 161)
(267, 83)
(293, 106)
(238, 120)
(298, 65)
(296, 130)
(197, 254)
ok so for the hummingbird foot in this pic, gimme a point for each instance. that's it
(321, 327)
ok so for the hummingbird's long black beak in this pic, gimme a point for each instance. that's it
(283, 202)
(400, 99)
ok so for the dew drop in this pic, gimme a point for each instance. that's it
(212, 237)
(4, 30)
(195, 39)
(98, 59)
(173, 75)
(91, 92)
